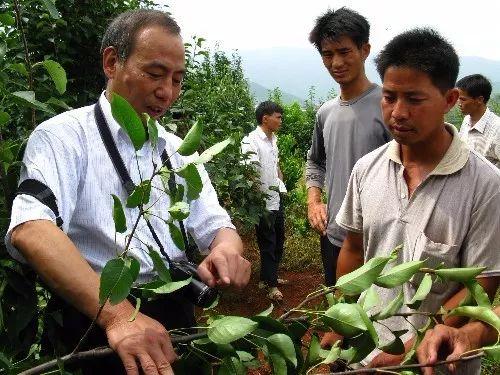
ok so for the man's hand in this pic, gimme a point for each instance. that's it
(144, 341)
(316, 213)
(225, 266)
(449, 341)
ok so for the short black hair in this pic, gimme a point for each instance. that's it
(267, 108)
(332, 25)
(476, 85)
(122, 31)
(425, 50)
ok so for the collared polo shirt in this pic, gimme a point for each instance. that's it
(484, 136)
(67, 154)
(452, 217)
(263, 151)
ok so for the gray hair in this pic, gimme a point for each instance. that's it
(122, 32)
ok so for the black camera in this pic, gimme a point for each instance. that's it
(196, 291)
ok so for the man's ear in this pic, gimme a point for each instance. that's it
(480, 99)
(451, 97)
(365, 50)
(110, 62)
(264, 119)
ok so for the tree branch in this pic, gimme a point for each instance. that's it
(382, 370)
(99, 353)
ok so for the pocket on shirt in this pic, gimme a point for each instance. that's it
(435, 253)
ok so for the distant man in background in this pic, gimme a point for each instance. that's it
(263, 149)
(481, 127)
(425, 189)
(347, 127)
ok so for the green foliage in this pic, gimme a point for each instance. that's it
(116, 281)
(216, 94)
(191, 141)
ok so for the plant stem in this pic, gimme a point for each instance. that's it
(99, 353)
(19, 20)
(309, 298)
(401, 367)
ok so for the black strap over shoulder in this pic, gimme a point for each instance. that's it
(127, 182)
(43, 193)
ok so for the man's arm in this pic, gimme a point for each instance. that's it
(450, 343)
(59, 263)
(225, 266)
(351, 254)
(315, 180)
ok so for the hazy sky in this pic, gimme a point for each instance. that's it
(472, 26)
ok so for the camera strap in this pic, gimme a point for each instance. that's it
(127, 182)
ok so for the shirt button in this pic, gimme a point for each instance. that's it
(403, 195)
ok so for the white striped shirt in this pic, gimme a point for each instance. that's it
(265, 153)
(67, 154)
(484, 136)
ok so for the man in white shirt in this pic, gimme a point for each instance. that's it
(143, 61)
(263, 151)
(480, 128)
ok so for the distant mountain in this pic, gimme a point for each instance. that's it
(261, 93)
(295, 70)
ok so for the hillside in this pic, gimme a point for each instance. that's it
(295, 70)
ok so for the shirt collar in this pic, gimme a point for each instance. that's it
(116, 129)
(453, 160)
(483, 121)
(263, 135)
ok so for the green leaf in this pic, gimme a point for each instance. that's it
(58, 75)
(477, 292)
(58, 103)
(459, 274)
(359, 347)
(395, 347)
(152, 129)
(333, 355)
(176, 235)
(192, 140)
(344, 318)
(392, 308)
(5, 363)
(179, 210)
(423, 290)
(136, 310)
(19, 68)
(193, 180)
(140, 195)
(245, 356)
(267, 311)
(482, 313)
(119, 215)
(279, 364)
(283, 344)
(133, 266)
(51, 8)
(368, 323)
(164, 176)
(492, 352)
(129, 120)
(171, 286)
(210, 152)
(361, 279)
(270, 324)
(369, 299)
(399, 274)
(313, 357)
(229, 329)
(7, 19)
(159, 266)
(231, 366)
(28, 97)
(116, 282)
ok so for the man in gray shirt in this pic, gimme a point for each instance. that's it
(347, 127)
